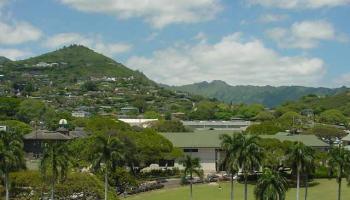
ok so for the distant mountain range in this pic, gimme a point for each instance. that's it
(269, 96)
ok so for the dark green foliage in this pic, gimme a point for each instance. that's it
(170, 126)
(267, 95)
(264, 128)
(9, 107)
(17, 126)
(87, 183)
(271, 185)
(329, 133)
(333, 116)
(89, 86)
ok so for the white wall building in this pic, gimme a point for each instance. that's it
(139, 122)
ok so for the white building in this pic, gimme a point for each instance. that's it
(3, 128)
(206, 145)
(234, 125)
(144, 123)
(81, 114)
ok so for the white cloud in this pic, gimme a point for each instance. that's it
(232, 60)
(299, 4)
(158, 13)
(305, 34)
(343, 80)
(95, 43)
(14, 54)
(3, 2)
(268, 18)
(18, 32)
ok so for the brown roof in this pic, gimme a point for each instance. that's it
(46, 135)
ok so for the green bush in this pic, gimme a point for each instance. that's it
(29, 185)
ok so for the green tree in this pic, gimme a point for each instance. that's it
(89, 86)
(17, 126)
(264, 116)
(230, 145)
(249, 156)
(264, 128)
(192, 167)
(54, 163)
(339, 162)
(300, 157)
(333, 116)
(271, 185)
(250, 111)
(11, 156)
(291, 121)
(328, 133)
(106, 152)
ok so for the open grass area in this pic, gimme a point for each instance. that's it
(324, 190)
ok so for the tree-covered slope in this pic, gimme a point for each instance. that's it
(75, 62)
(268, 95)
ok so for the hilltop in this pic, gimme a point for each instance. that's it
(269, 96)
(78, 78)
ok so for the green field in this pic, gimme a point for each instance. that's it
(324, 190)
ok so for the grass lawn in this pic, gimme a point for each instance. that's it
(324, 190)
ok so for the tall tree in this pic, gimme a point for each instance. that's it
(11, 156)
(230, 145)
(271, 185)
(107, 151)
(54, 163)
(339, 162)
(248, 156)
(192, 167)
(300, 156)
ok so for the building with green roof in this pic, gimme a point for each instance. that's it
(206, 145)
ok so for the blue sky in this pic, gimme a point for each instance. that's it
(242, 42)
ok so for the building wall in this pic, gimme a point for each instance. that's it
(207, 159)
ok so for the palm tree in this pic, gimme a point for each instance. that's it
(192, 167)
(11, 156)
(339, 161)
(308, 168)
(249, 156)
(229, 145)
(271, 185)
(301, 157)
(55, 162)
(107, 151)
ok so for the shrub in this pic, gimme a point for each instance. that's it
(29, 185)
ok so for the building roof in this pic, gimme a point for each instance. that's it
(215, 123)
(45, 135)
(211, 139)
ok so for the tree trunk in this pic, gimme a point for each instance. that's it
(106, 184)
(52, 188)
(245, 187)
(298, 182)
(7, 197)
(232, 197)
(306, 186)
(191, 189)
(339, 188)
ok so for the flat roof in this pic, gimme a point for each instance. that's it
(211, 139)
(215, 123)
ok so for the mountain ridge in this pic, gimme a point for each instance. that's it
(270, 96)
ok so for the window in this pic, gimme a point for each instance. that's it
(190, 150)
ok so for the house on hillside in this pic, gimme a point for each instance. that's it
(346, 141)
(81, 114)
(144, 123)
(206, 145)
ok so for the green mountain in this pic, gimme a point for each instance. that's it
(4, 60)
(267, 95)
(76, 76)
(71, 63)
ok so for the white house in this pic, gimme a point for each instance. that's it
(81, 114)
(206, 145)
